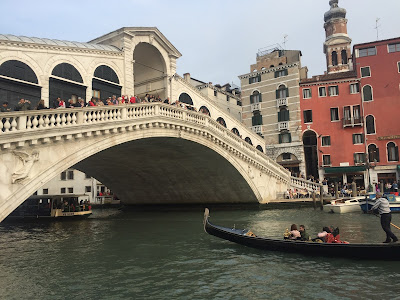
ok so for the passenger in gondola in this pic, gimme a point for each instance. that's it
(304, 235)
(294, 233)
(323, 234)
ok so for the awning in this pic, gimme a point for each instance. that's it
(352, 169)
(398, 168)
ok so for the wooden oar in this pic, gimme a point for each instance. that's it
(397, 227)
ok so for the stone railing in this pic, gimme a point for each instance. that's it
(18, 127)
(283, 125)
(281, 102)
(300, 183)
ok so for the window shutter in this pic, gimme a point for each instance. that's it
(259, 120)
(355, 157)
(277, 94)
(286, 72)
(290, 137)
(253, 119)
(279, 117)
(251, 99)
(354, 139)
(259, 78)
(287, 117)
(377, 155)
(249, 80)
(276, 74)
(396, 153)
(260, 98)
(287, 92)
(362, 138)
(280, 139)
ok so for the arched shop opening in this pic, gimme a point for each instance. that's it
(18, 80)
(66, 82)
(149, 71)
(290, 162)
(105, 83)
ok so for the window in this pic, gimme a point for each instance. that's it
(227, 98)
(70, 175)
(392, 152)
(62, 190)
(282, 92)
(367, 93)
(322, 91)
(394, 48)
(373, 153)
(365, 72)
(354, 88)
(286, 156)
(88, 189)
(64, 176)
(370, 121)
(45, 191)
(306, 93)
(326, 141)
(344, 57)
(215, 93)
(285, 137)
(255, 79)
(96, 94)
(326, 159)
(334, 114)
(359, 158)
(398, 66)
(334, 58)
(281, 73)
(366, 52)
(70, 190)
(358, 138)
(283, 115)
(256, 119)
(357, 114)
(333, 90)
(255, 97)
(307, 116)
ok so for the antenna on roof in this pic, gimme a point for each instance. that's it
(284, 41)
(377, 28)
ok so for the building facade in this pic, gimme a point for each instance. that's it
(271, 104)
(378, 67)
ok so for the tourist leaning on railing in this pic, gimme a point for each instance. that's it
(4, 107)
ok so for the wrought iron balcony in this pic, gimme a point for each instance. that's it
(283, 125)
(282, 102)
(255, 107)
(352, 122)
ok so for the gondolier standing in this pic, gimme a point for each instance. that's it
(382, 205)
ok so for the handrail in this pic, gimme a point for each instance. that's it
(301, 183)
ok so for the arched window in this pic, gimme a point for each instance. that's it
(334, 58)
(71, 88)
(259, 148)
(367, 93)
(373, 153)
(221, 121)
(185, 98)
(67, 71)
(235, 131)
(105, 83)
(248, 140)
(255, 97)
(204, 110)
(392, 152)
(282, 92)
(370, 123)
(283, 115)
(18, 70)
(106, 73)
(271, 66)
(344, 57)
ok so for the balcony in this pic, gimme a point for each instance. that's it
(283, 125)
(255, 107)
(282, 102)
(257, 129)
(352, 122)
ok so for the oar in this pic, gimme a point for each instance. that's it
(397, 227)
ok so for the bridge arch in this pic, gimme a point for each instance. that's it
(150, 70)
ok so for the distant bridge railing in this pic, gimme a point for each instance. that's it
(43, 125)
(300, 183)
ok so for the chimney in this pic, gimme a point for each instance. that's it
(186, 76)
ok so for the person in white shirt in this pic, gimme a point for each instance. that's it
(383, 207)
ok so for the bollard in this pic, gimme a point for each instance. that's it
(321, 196)
(354, 189)
(336, 191)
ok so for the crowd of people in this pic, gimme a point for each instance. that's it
(24, 104)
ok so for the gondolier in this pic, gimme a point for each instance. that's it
(383, 207)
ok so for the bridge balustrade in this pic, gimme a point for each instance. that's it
(300, 183)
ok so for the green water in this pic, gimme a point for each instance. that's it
(167, 255)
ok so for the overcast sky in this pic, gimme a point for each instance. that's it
(218, 39)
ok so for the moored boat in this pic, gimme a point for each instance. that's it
(344, 205)
(53, 206)
(244, 237)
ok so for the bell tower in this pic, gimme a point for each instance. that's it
(337, 46)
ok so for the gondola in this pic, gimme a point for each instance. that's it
(390, 251)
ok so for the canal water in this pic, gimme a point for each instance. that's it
(166, 254)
